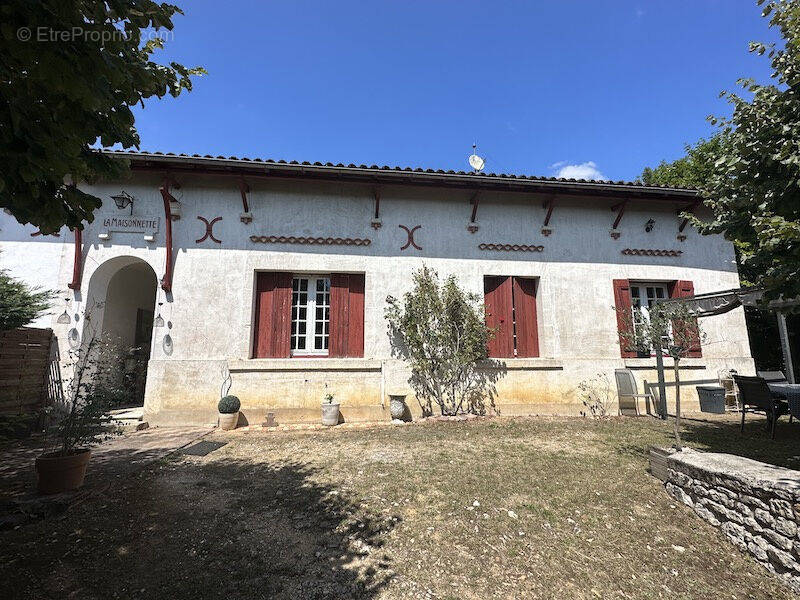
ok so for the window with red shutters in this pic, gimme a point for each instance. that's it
(347, 316)
(510, 306)
(683, 289)
(308, 315)
(633, 301)
(272, 326)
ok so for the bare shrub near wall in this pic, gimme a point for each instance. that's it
(440, 331)
(96, 386)
(596, 395)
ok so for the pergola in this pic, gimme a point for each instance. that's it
(717, 303)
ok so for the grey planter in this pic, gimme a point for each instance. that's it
(397, 406)
(330, 413)
(712, 398)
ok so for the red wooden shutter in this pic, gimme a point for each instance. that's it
(525, 314)
(273, 318)
(683, 289)
(622, 302)
(497, 298)
(346, 333)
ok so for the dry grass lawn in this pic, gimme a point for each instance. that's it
(529, 508)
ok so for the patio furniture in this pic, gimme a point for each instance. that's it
(712, 398)
(628, 392)
(773, 376)
(755, 394)
(790, 391)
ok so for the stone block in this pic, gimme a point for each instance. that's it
(764, 517)
(785, 527)
(760, 552)
(706, 515)
(783, 561)
(679, 494)
(781, 508)
(778, 540)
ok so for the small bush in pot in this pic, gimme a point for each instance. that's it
(228, 408)
(81, 419)
(330, 411)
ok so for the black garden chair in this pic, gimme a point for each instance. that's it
(754, 393)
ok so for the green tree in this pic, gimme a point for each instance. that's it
(20, 304)
(691, 171)
(70, 72)
(439, 330)
(754, 189)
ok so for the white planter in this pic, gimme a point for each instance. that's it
(397, 406)
(228, 420)
(330, 413)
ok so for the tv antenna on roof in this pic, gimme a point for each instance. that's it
(475, 161)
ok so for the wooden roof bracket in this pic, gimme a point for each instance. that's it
(244, 189)
(376, 215)
(472, 227)
(548, 204)
(619, 208)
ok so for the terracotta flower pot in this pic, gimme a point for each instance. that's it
(228, 420)
(62, 473)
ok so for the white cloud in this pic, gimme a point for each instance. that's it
(587, 170)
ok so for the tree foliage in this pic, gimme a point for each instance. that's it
(19, 303)
(70, 72)
(754, 189)
(691, 171)
(439, 330)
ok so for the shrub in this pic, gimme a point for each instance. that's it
(438, 329)
(596, 395)
(229, 405)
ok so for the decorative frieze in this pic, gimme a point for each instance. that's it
(650, 252)
(511, 247)
(322, 241)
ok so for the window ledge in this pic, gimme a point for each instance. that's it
(522, 364)
(303, 364)
(650, 363)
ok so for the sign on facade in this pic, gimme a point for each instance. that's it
(132, 224)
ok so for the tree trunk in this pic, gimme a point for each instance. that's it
(677, 405)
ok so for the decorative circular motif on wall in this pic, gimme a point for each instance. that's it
(280, 239)
(650, 252)
(511, 247)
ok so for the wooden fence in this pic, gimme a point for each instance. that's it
(29, 371)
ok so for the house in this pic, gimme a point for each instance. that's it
(276, 274)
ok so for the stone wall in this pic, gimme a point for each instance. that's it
(756, 505)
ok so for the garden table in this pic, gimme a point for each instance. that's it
(792, 393)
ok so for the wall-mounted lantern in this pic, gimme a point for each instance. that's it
(63, 318)
(648, 227)
(123, 200)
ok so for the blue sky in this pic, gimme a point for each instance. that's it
(574, 88)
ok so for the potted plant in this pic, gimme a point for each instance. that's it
(228, 408)
(82, 419)
(330, 411)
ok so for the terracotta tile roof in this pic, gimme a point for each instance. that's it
(144, 159)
